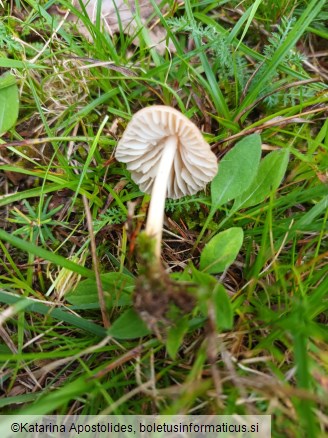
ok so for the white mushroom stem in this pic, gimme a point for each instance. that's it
(155, 217)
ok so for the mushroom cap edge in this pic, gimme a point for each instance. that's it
(140, 148)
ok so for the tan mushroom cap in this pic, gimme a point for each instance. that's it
(142, 144)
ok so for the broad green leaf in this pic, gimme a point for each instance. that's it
(222, 308)
(175, 336)
(221, 250)
(270, 174)
(206, 284)
(237, 169)
(128, 326)
(117, 288)
(212, 293)
(181, 276)
(8, 102)
(7, 80)
(207, 281)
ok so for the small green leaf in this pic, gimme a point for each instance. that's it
(128, 326)
(207, 281)
(223, 309)
(212, 294)
(175, 336)
(206, 284)
(117, 288)
(221, 251)
(7, 80)
(270, 174)
(8, 102)
(236, 171)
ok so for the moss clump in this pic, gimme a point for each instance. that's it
(146, 254)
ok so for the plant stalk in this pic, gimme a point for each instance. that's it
(155, 216)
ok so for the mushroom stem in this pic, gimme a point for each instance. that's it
(155, 216)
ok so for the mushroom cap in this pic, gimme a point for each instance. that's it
(142, 143)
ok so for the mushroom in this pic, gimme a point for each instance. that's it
(167, 157)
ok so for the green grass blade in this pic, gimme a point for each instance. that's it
(14, 63)
(248, 51)
(30, 248)
(251, 14)
(30, 305)
(88, 160)
(305, 407)
(271, 66)
(216, 94)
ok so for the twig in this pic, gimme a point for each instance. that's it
(134, 353)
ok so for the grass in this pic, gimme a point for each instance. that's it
(67, 207)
